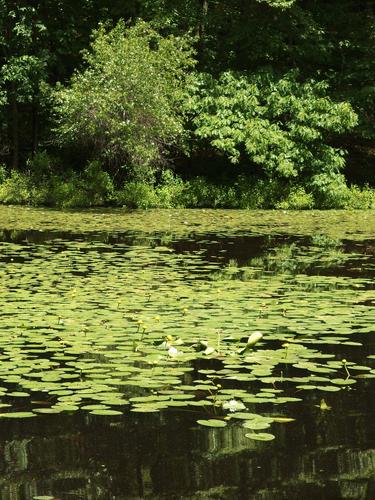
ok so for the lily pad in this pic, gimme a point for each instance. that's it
(260, 436)
(212, 423)
(106, 412)
(18, 414)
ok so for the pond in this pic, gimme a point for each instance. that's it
(196, 354)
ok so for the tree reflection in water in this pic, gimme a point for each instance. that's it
(326, 454)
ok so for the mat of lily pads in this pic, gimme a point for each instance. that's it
(112, 328)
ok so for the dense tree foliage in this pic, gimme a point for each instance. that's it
(126, 106)
(280, 89)
(41, 44)
(279, 123)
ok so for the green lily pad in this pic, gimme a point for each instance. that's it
(212, 423)
(343, 381)
(18, 414)
(99, 339)
(95, 407)
(18, 394)
(328, 388)
(105, 412)
(47, 410)
(256, 425)
(260, 436)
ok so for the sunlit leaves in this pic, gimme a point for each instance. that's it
(99, 340)
(126, 104)
(282, 123)
(260, 436)
(212, 423)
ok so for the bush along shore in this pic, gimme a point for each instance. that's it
(94, 187)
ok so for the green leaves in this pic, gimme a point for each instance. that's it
(17, 414)
(279, 4)
(281, 122)
(260, 436)
(100, 339)
(212, 423)
(127, 103)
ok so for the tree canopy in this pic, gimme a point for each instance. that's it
(126, 105)
(278, 88)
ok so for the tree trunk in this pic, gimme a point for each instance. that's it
(202, 31)
(14, 128)
(35, 126)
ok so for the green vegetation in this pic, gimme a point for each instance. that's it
(220, 340)
(136, 326)
(95, 187)
(125, 107)
(281, 124)
(168, 103)
(326, 227)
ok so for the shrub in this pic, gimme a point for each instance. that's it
(3, 173)
(16, 189)
(126, 106)
(360, 198)
(281, 123)
(297, 199)
(41, 165)
(167, 193)
(136, 194)
(170, 190)
(92, 187)
(329, 190)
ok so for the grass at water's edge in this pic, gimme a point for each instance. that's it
(96, 188)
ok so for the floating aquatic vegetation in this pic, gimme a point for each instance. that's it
(113, 327)
(212, 423)
(326, 225)
(260, 436)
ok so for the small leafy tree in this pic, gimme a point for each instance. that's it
(281, 124)
(126, 106)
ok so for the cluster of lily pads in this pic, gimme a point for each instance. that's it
(338, 224)
(116, 328)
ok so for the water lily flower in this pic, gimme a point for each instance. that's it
(251, 341)
(172, 351)
(254, 338)
(233, 405)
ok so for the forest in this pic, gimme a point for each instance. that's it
(188, 103)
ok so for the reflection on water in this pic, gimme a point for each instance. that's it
(328, 452)
(328, 455)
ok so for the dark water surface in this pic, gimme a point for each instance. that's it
(62, 291)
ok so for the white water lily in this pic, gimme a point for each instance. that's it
(254, 338)
(172, 351)
(233, 405)
(251, 341)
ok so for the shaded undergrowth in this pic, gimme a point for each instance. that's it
(95, 187)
